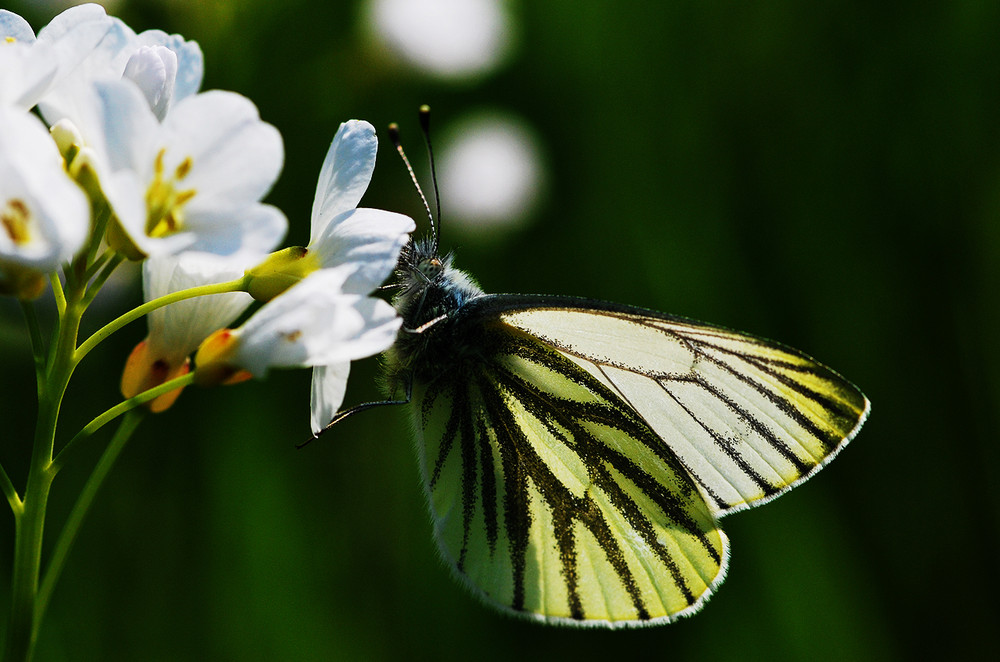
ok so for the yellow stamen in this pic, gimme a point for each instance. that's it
(164, 201)
(15, 220)
(184, 168)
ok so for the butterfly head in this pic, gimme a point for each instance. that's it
(425, 263)
(429, 286)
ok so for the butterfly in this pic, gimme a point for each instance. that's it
(577, 455)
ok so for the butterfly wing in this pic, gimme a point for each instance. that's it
(748, 418)
(576, 466)
(552, 498)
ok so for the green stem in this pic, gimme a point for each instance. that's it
(28, 529)
(37, 344)
(9, 491)
(68, 534)
(29, 524)
(22, 630)
(237, 285)
(98, 262)
(121, 408)
(102, 277)
(101, 213)
(57, 292)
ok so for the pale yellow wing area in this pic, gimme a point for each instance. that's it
(747, 418)
(553, 498)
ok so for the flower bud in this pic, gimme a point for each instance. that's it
(154, 70)
(144, 370)
(68, 139)
(212, 360)
(280, 271)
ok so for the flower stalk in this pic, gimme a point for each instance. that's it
(29, 523)
(69, 531)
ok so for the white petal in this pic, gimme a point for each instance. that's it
(26, 72)
(119, 124)
(329, 383)
(27, 68)
(346, 173)
(381, 326)
(369, 238)
(12, 25)
(75, 34)
(245, 235)
(276, 335)
(75, 20)
(83, 61)
(315, 323)
(175, 331)
(190, 61)
(154, 70)
(236, 157)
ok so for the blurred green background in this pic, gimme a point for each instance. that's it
(824, 173)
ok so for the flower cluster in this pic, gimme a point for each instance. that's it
(134, 162)
(110, 152)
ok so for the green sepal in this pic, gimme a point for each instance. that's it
(280, 271)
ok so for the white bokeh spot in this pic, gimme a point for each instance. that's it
(490, 171)
(447, 38)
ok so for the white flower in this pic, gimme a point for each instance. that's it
(44, 215)
(327, 318)
(341, 234)
(177, 329)
(167, 68)
(30, 67)
(313, 323)
(192, 182)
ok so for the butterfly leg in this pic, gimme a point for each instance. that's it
(339, 416)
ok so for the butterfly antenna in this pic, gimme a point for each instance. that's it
(394, 137)
(425, 126)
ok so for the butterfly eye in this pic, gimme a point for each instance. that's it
(430, 267)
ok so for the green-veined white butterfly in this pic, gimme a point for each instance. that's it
(578, 454)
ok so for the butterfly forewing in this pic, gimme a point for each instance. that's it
(554, 498)
(747, 418)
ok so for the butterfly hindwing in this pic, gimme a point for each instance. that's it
(552, 497)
